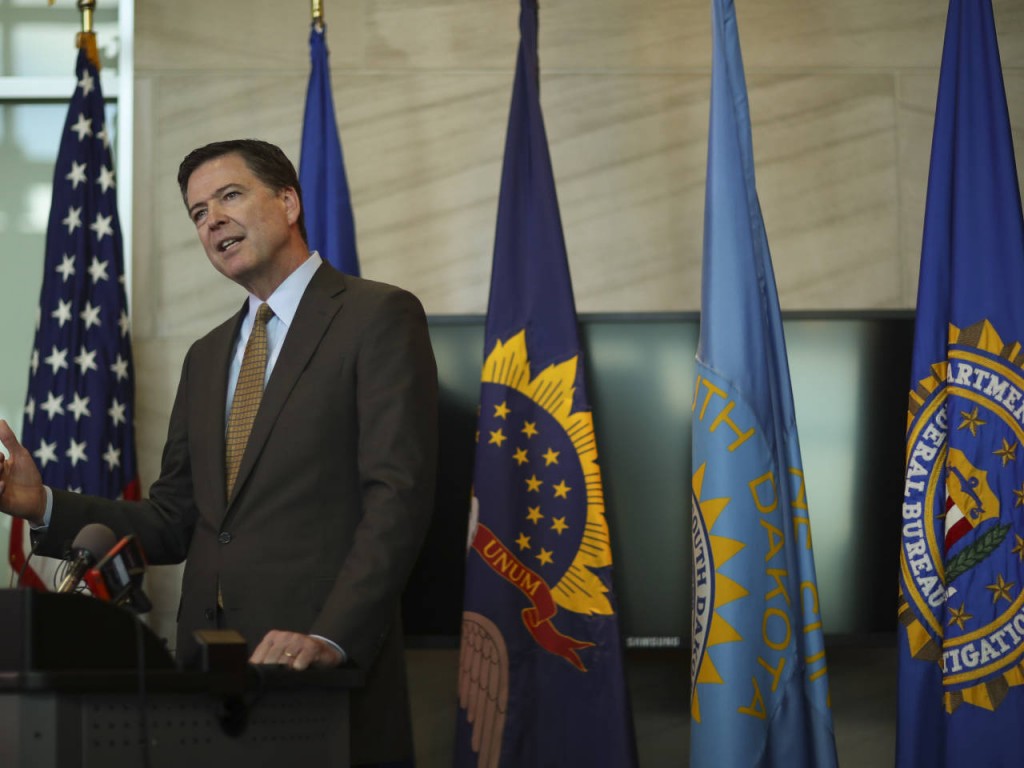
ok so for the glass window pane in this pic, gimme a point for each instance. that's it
(39, 41)
(21, 259)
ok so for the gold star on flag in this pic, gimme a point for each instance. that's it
(501, 411)
(551, 457)
(971, 421)
(497, 438)
(534, 515)
(524, 542)
(1019, 549)
(545, 557)
(533, 484)
(562, 490)
(558, 524)
(1019, 493)
(1007, 453)
(529, 428)
(1001, 589)
(520, 456)
(959, 616)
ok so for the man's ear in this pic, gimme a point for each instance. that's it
(292, 205)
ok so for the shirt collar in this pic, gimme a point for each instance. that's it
(285, 300)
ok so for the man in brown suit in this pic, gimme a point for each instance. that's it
(306, 549)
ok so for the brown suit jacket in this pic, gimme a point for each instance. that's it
(332, 500)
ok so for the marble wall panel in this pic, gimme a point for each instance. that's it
(864, 35)
(574, 34)
(839, 166)
(143, 288)
(240, 35)
(163, 587)
(436, 34)
(1009, 16)
(629, 153)
(670, 34)
(916, 104)
(825, 158)
(425, 182)
(157, 368)
(423, 154)
(157, 365)
(867, 35)
(423, 157)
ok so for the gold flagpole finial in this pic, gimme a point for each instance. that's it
(87, 7)
(318, 14)
(87, 37)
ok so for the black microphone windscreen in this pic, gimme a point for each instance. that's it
(96, 539)
(91, 544)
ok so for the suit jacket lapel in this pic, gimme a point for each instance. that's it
(319, 304)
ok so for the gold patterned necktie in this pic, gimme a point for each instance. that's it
(248, 394)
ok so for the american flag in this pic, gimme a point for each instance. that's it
(79, 413)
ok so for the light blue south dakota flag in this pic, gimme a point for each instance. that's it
(759, 679)
(961, 609)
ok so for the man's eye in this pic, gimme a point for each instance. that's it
(230, 195)
(198, 216)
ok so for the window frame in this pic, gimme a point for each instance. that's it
(117, 88)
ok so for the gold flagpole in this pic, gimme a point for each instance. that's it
(87, 7)
(87, 37)
(318, 15)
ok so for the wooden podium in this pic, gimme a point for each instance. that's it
(73, 694)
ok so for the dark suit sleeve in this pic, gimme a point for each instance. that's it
(396, 402)
(163, 523)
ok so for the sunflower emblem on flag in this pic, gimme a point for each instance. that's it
(538, 516)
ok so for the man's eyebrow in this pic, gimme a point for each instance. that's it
(216, 193)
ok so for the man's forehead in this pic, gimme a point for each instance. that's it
(217, 173)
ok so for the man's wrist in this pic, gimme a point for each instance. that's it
(43, 521)
(332, 645)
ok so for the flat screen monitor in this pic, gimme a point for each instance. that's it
(850, 376)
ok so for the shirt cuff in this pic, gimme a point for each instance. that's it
(334, 645)
(49, 512)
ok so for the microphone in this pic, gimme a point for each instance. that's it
(91, 543)
(117, 578)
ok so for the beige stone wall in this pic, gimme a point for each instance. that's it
(842, 97)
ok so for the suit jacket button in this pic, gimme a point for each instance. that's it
(224, 538)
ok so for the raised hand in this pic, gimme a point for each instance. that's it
(21, 485)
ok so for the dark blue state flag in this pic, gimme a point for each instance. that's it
(541, 679)
(79, 414)
(759, 692)
(327, 207)
(961, 605)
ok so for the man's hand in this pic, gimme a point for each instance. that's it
(21, 485)
(295, 650)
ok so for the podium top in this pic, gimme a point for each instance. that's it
(73, 643)
(47, 631)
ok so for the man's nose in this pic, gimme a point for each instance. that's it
(214, 215)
